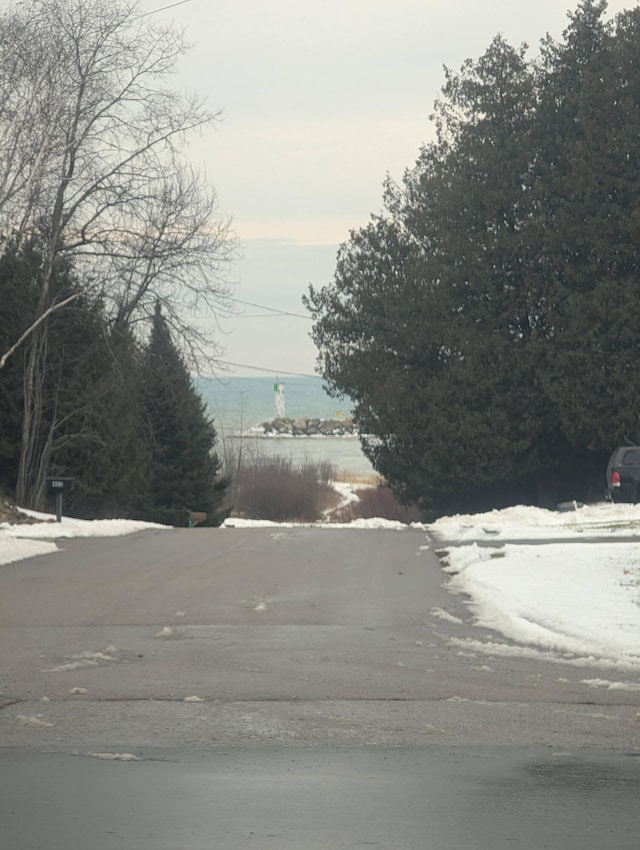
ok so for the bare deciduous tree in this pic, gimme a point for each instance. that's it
(92, 164)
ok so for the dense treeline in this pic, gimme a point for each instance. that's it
(487, 325)
(109, 243)
(120, 415)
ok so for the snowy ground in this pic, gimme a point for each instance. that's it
(566, 599)
(28, 540)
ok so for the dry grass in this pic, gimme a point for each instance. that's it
(10, 514)
(367, 479)
(276, 489)
(379, 502)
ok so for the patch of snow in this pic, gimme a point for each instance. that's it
(33, 720)
(559, 598)
(374, 522)
(49, 529)
(346, 491)
(445, 615)
(167, 633)
(25, 540)
(82, 660)
(115, 756)
(529, 523)
(611, 686)
(16, 550)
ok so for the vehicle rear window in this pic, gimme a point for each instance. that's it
(631, 457)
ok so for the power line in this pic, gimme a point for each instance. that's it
(162, 8)
(271, 309)
(269, 371)
(248, 316)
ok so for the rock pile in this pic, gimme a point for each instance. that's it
(284, 427)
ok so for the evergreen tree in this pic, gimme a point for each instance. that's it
(18, 296)
(587, 176)
(185, 470)
(71, 367)
(111, 459)
(486, 326)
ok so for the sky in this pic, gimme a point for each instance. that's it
(318, 102)
(566, 600)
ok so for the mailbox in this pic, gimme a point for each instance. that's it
(60, 484)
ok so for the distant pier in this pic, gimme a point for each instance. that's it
(283, 426)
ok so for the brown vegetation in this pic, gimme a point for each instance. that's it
(276, 489)
(9, 513)
(376, 502)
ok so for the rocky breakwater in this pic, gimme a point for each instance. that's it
(284, 427)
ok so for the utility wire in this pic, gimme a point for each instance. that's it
(162, 8)
(270, 309)
(269, 371)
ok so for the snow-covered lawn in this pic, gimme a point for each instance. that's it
(568, 599)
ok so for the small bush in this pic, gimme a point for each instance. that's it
(377, 502)
(275, 489)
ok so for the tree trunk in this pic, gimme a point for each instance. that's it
(548, 492)
(32, 464)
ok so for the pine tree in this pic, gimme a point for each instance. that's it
(111, 457)
(18, 296)
(185, 470)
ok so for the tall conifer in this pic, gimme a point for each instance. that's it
(185, 473)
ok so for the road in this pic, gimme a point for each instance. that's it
(264, 688)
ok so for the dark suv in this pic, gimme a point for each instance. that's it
(623, 475)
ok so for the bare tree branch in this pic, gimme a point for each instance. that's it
(92, 165)
(41, 318)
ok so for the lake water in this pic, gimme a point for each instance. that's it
(237, 404)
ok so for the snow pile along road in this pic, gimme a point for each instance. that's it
(26, 540)
(566, 601)
(527, 523)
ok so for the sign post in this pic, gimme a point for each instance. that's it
(59, 485)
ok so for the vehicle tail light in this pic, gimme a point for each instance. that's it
(615, 479)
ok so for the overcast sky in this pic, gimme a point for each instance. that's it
(320, 100)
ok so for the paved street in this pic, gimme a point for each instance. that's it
(254, 688)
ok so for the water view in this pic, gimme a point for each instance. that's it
(238, 404)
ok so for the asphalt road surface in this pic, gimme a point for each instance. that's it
(272, 688)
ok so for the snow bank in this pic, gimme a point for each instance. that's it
(28, 540)
(12, 549)
(49, 529)
(527, 523)
(572, 602)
